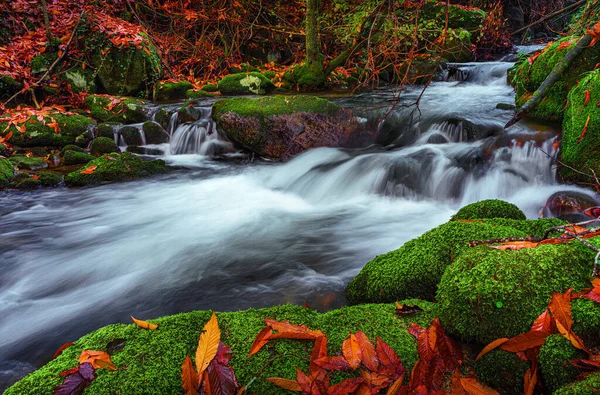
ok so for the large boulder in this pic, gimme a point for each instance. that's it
(246, 84)
(580, 143)
(491, 208)
(416, 268)
(531, 73)
(153, 358)
(279, 127)
(165, 90)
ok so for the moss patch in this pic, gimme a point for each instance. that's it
(153, 358)
(77, 158)
(128, 110)
(197, 94)
(24, 162)
(273, 105)
(103, 145)
(164, 91)
(555, 362)
(503, 371)
(39, 134)
(7, 172)
(491, 208)
(121, 167)
(245, 83)
(588, 386)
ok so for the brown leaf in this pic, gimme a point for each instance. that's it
(525, 341)
(189, 377)
(531, 379)
(571, 336)
(405, 310)
(290, 385)
(367, 352)
(98, 359)
(587, 96)
(145, 324)
(333, 363)
(61, 349)
(319, 351)
(346, 387)
(396, 386)
(544, 323)
(587, 365)
(261, 339)
(352, 352)
(493, 345)
(89, 170)
(208, 344)
(515, 245)
(474, 387)
(560, 307)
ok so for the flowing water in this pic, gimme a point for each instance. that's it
(229, 233)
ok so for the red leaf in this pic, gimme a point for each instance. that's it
(585, 128)
(587, 96)
(221, 377)
(89, 170)
(560, 307)
(352, 351)
(346, 387)
(290, 385)
(76, 383)
(333, 363)
(368, 356)
(319, 351)
(261, 339)
(544, 323)
(525, 341)
(587, 365)
(493, 345)
(390, 363)
(61, 349)
(473, 387)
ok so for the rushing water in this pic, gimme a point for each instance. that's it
(231, 234)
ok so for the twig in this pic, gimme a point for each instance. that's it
(550, 16)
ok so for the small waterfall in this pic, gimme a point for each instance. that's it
(198, 137)
(142, 137)
(172, 124)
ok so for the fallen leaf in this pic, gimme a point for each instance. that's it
(352, 352)
(525, 341)
(334, 363)
(89, 170)
(586, 97)
(261, 339)
(493, 345)
(367, 352)
(544, 323)
(61, 349)
(98, 359)
(560, 307)
(585, 128)
(290, 385)
(405, 310)
(189, 377)
(474, 387)
(346, 387)
(144, 324)
(76, 382)
(208, 344)
(319, 351)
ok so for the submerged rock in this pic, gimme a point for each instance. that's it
(279, 127)
(568, 203)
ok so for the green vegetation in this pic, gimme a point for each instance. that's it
(37, 133)
(555, 362)
(154, 358)
(246, 83)
(588, 386)
(164, 91)
(7, 172)
(155, 134)
(103, 145)
(491, 208)
(115, 168)
(126, 110)
(24, 162)
(210, 88)
(71, 147)
(273, 105)
(76, 158)
(504, 371)
(197, 94)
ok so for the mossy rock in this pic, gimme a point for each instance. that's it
(103, 145)
(81, 80)
(37, 133)
(503, 371)
(586, 317)
(590, 385)
(128, 110)
(273, 105)
(7, 172)
(416, 268)
(154, 133)
(71, 147)
(77, 158)
(153, 358)
(27, 184)
(555, 362)
(48, 179)
(107, 129)
(125, 70)
(457, 46)
(197, 94)
(578, 151)
(210, 88)
(165, 91)
(491, 208)
(116, 168)
(486, 294)
(163, 117)
(9, 86)
(308, 76)
(471, 19)
(245, 84)
(24, 162)
(529, 77)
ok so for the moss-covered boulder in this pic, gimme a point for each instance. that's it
(77, 158)
(210, 88)
(486, 294)
(491, 208)
(416, 268)
(154, 133)
(198, 94)
(72, 128)
(103, 145)
(503, 371)
(153, 358)
(81, 80)
(278, 127)
(71, 147)
(579, 150)
(127, 70)
(586, 317)
(27, 163)
(115, 168)
(590, 385)
(48, 179)
(107, 129)
(528, 77)
(165, 91)
(9, 86)
(470, 19)
(7, 172)
(245, 84)
(555, 362)
(124, 110)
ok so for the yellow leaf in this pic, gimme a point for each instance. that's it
(144, 324)
(98, 359)
(208, 344)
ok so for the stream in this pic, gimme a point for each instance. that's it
(230, 233)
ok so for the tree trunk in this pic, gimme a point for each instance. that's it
(313, 48)
(46, 21)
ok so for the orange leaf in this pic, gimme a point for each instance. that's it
(89, 170)
(189, 377)
(544, 323)
(140, 323)
(495, 344)
(585, 128)
(261, 339)
(290, 385)
(395, 388)
(290, 331)
(98, 359)
(474, 387)
(61, 349)
(587, 96)
(531, 379)
(319, 351)
(560, 307)
(515, 245)
(352, 352)
(525, 341)
(368, 356)
(208, 344)
(571, 336)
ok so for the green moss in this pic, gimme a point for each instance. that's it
(457, 46)
(555, 362)
(71, 147)
(486, 294)
(7, 172)
(117, 168)
(107, 130)
(153, 358)
(23, 162)
(155, 134)
(245, 83)
(48, 179)
(81, 80)
(210, 88)
(581, 153)
(27, 184)
(197, 94)
(164, 91)
(103, 145)
(77, 158)
(270, 74)
(529, 77)
(41, 63)
(39, 134)
(9, 86)
(273, 105)
(128, 110)
(586, 317)
(458, 17)
(503, 371)
(309, 75)
(415, 269)
(491, 208)
(588, 386)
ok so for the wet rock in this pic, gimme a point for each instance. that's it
(246, 84)
(103, 145)
(23, 162)
(437, 139)
(144, 150)
(131, 135)
(77, 158)
(568, 203)
(124, 110)
(188, 113)
(164, 91)
(154, 132)
(505, 106)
